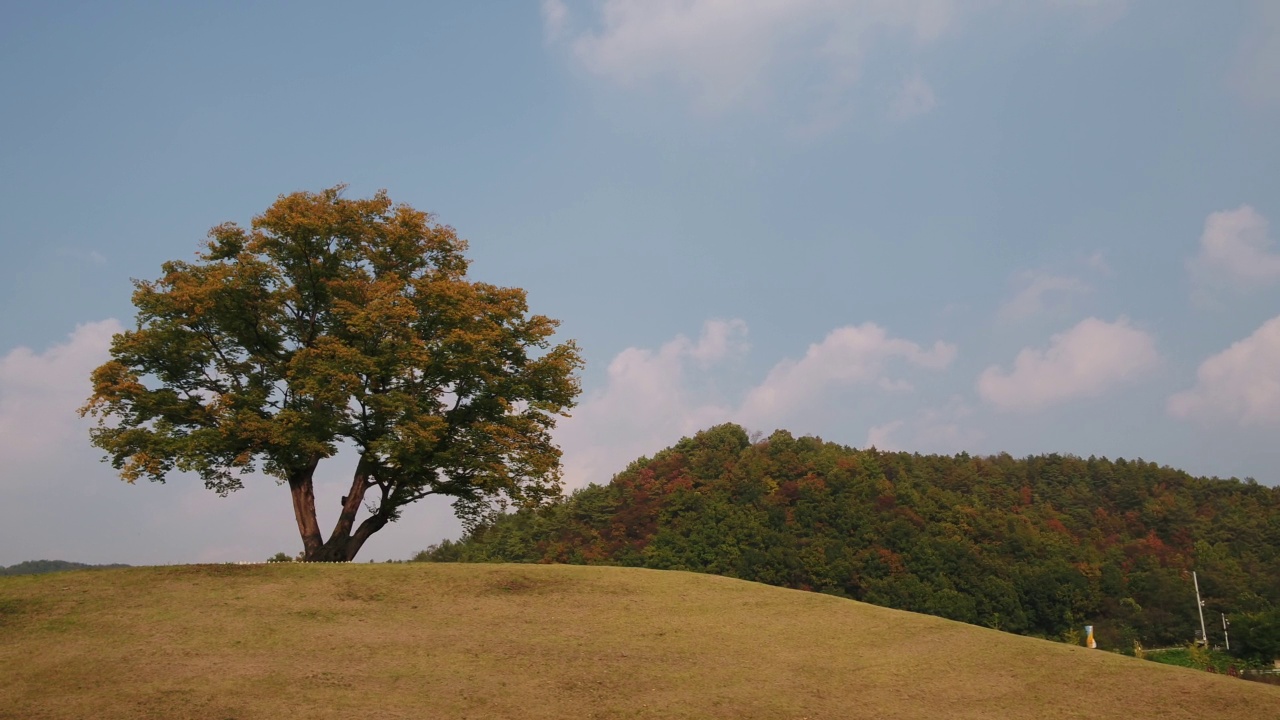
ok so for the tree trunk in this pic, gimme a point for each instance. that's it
(342, 544)
(334, 550)
(343, 547)
(351, 503)
(304, 509)
(371, 525)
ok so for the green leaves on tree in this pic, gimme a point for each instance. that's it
(330, 322)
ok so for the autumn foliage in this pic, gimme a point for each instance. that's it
(1041, 545)
(336, 322)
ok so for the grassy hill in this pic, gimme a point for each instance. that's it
(426, 640)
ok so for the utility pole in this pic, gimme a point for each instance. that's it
(1225, 637)
(1200, 607)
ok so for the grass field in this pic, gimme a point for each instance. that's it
(504, 641)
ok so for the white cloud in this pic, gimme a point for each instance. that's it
(1241, 383)
(1082, 362)
(944, 429)
(1258, 58)
(652, 398)
(848, 356)
(724, 50)
(555, 18)
(720, 339)
(726, 53)
(1037, 294)
(1235, 246)
(1098, 263)
(647, 403)
(40, 392)
(915, 98)
(891, 385)
(881, 436)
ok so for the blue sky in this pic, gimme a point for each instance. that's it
(933, 225)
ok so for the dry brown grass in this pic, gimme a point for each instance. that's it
(505, 641)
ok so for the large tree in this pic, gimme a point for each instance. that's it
(332, 322)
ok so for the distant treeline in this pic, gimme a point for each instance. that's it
(1039, 546)
(37, 567)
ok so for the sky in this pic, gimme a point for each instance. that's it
(924, 225)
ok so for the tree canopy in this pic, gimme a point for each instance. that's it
(333, 321)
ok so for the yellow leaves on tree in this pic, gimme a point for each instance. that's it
(332, 321)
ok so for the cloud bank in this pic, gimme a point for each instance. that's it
(41, 391)
(651, 398)
(730, 53)
(1236, 247)
(725, 52)
(945, 429)
(1083, 362)
(914, 98)
(1038, 292)
(847, 357)
(1240, 384)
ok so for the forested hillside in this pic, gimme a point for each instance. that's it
(1038, 546)
(39, 567)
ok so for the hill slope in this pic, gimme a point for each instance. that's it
(1037, 546)
(452, 640)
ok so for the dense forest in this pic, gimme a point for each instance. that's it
(1039, 546)
(39, 567)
